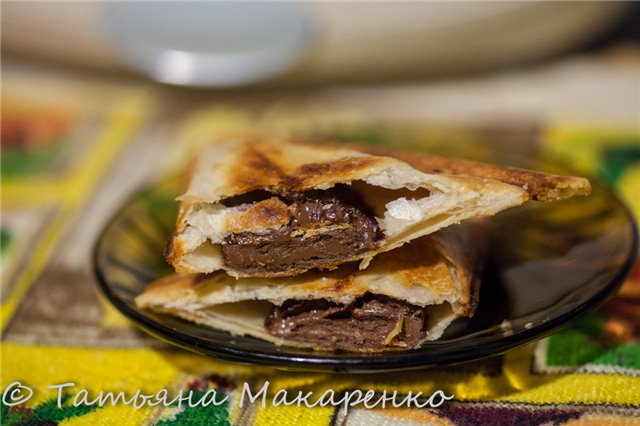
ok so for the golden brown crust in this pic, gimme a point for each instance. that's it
(174, 252)
(171, 252)
(282, 167)
(271, 213)
(263, 166)
(175, 286)
(454, 244)
(541, 186)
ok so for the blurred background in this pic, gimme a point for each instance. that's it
(434, 61)
(222, 44)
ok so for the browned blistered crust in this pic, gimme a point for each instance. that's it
(171, 252)
(265, 166)
(541, 186)
(261, 165)
(272, 213)
(465, 246)
(173, 287)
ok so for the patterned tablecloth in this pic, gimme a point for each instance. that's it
(74, 148)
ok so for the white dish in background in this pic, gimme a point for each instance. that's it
(306, 42)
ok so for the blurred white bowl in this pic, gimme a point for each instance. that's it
(236, 43)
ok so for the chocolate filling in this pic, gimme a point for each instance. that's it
(325, 227)
(370, 322)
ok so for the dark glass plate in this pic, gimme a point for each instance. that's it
(549, 264)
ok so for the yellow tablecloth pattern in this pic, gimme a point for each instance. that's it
(102, 140)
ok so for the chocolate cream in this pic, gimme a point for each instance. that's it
(370, 322)
(325, 227)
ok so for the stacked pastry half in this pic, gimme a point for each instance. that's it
(334, 247)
